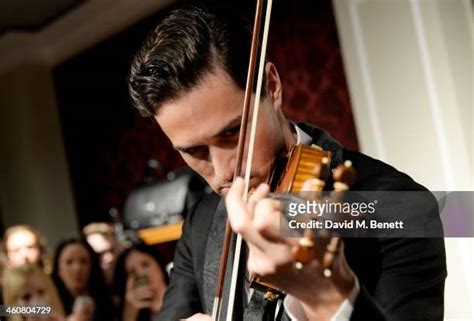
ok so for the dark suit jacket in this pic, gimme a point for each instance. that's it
(401, 278)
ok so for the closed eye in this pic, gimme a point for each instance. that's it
(231, 131)
(197, 151)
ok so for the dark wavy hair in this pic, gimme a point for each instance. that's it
(96, 285)
(120, 274)
(190, 42)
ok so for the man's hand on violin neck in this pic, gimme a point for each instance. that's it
(270, 254)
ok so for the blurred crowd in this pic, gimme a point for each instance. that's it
(91, 278)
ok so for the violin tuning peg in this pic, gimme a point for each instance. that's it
(322, 170)
(344, 176)
(304, 252)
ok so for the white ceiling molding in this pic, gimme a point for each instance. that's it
(32, 14)
(77, 30)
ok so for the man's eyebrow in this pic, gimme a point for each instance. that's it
(230, 125)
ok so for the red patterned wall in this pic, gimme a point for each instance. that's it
(305, 48)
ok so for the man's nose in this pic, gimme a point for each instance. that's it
(223, 163)
(107, 257)
(24, 254)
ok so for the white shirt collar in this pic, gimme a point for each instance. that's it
(301, 136)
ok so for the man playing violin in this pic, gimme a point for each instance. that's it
(190, 77)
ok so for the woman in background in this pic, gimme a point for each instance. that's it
(140, 283)
(79, 279)
(29, 285)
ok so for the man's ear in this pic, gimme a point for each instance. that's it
(273, 85)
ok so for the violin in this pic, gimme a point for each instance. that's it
(300, 164)
(303, 163)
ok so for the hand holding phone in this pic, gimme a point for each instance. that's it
(139, 293)
(83, 309)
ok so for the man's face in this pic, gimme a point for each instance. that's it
(203, 125)
(22, 247)
(105, 247)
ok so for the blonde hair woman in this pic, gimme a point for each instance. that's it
(29, 285)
